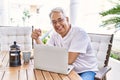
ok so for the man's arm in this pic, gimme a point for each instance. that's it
(72, 57)
(38, 41)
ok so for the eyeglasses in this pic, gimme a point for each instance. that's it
(59, 20)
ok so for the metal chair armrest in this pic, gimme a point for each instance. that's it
(102, 72)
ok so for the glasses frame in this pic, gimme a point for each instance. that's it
(59, 20)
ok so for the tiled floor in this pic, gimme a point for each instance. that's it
(114, 74)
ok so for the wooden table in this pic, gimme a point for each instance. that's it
(27, 71)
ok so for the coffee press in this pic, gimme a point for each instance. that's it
(14, 55)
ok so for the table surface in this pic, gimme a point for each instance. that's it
(27, 71)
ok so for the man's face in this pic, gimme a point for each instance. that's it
(60, 23)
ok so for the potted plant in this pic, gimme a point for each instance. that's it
(113, 15)
(26, 15)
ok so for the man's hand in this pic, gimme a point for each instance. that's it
(35, 35)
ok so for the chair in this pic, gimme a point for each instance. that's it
(22, 35)
(102, 44)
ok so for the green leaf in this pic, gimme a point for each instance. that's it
(113, 20)
(114, 10)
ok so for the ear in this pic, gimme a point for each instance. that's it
(67, 19)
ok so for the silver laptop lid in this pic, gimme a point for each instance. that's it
(50, 58)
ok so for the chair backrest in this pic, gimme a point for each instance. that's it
(102, 44)
(22, 35)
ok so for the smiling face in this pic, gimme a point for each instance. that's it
(60, 23)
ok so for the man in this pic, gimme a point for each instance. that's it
(75, 40)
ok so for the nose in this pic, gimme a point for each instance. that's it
(57, 24)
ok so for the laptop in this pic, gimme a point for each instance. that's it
(51, 58)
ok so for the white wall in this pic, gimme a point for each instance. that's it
(116, 42)
(14, 9)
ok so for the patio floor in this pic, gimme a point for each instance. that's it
(114, 73)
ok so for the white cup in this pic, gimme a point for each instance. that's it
(26, 57)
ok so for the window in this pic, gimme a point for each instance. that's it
(31, 12)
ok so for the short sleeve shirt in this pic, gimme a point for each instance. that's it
(77, 40)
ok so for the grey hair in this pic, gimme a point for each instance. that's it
(57, 9)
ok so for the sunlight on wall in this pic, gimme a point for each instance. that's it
(36, 12)
(88, 16)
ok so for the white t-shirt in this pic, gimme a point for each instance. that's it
(77, 40)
